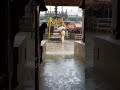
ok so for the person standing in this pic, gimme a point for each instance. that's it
(42, 31)
(66, 33)
(62, 35)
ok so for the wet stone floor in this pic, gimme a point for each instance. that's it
(61, 71)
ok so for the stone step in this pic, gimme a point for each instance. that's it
(56, 30)
(56, 33)
(53, 36)
(55, 39)
(59, 56)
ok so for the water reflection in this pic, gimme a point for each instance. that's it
(60, 73)
(62, 47)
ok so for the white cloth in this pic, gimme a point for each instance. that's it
(61, 28)
(62, 35)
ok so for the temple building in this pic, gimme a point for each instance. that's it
(88, 61)
(71, 16)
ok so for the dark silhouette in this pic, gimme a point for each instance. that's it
(42, 6)
(51, 30)
(42, 30)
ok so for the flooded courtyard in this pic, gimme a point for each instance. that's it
(61, 71)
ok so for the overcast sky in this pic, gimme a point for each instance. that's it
(70, 9)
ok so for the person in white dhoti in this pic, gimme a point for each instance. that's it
(62, 31)
(63, 35)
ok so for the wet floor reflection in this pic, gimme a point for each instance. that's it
(57, 47)
(63, 47)
(60, 73)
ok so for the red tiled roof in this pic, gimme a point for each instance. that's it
(73, 26)
(78, 25)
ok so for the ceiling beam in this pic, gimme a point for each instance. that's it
(62, 2)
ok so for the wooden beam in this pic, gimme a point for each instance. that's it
(63, 2)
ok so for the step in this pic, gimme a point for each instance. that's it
(55, 36)
(56, 33)
(54, 39)
(56, 30)
(59, 56)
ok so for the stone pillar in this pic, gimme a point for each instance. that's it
(115, 19)
(82, 5)
(83, 31)
(36, 50)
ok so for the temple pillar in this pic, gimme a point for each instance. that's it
(115, 19)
